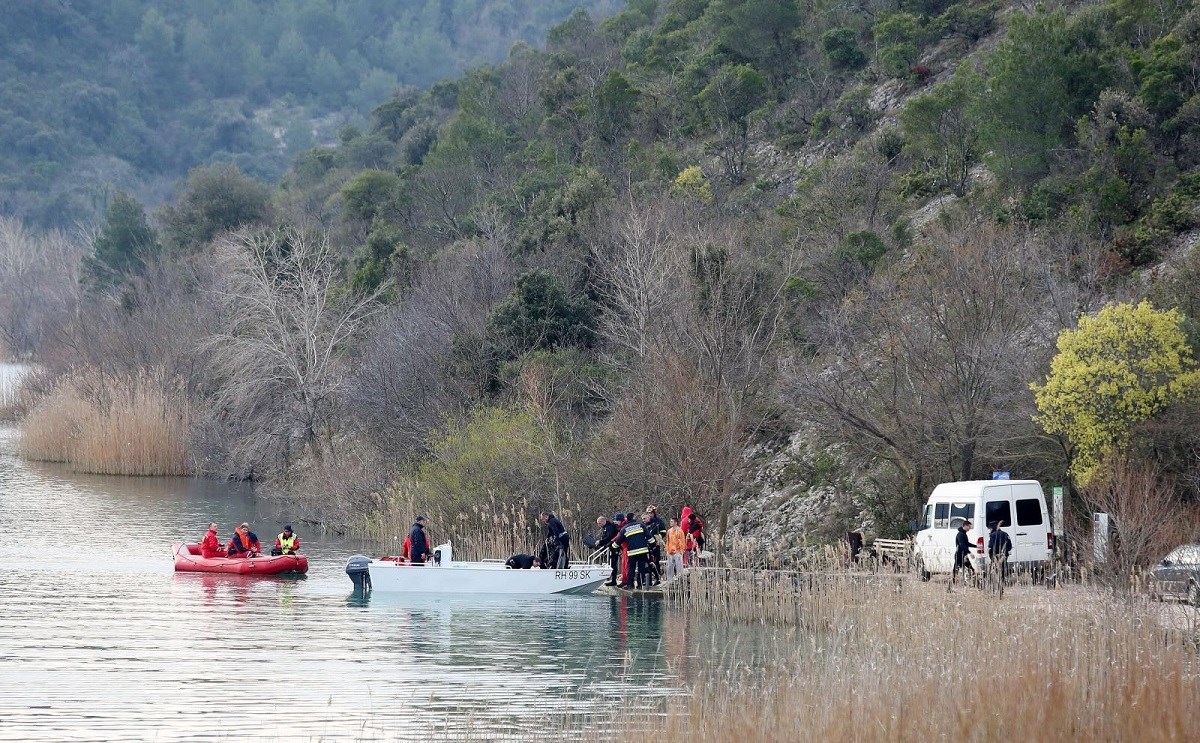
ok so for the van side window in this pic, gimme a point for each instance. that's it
(941, 516)
(960, 512)
(1029, 512)
(998, 510)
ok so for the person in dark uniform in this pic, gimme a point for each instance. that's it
(633, 537)
(418, 550)
(522, 562)
(614, 549)
(603, 541)
(998, 547)
(558, 541)
(656, 533)
(962, 552)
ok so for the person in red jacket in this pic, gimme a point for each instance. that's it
(210, 546)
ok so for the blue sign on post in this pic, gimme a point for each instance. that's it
(1001, 475)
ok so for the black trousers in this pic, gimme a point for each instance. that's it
(639, 565)
(962, 561)
(614, 560)
(652, 561)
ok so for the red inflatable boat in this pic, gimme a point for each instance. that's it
(189, 560)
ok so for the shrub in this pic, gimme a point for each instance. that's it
(842, 50)
(692, 182)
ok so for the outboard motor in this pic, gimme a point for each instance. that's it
(358, 568)
(443, 555)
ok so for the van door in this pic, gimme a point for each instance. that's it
(997, 506)
(1032, 524)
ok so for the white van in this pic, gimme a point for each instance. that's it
(1019, 506)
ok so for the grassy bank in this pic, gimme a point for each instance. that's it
(875, 663)
(102, 425)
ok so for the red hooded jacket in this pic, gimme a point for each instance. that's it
(210, 547)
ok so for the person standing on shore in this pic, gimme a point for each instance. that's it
(418, 549)
(633, 539)
(685, 523)
(998, 546)
(608, 532)
(656, 532)
(675, 545)
(962, 553)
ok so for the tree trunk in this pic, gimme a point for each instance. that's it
(723, 519)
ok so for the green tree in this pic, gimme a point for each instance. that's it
(940, 132)
(616, 101)
(367, 194)
(1121, 367)
(729, 98)
(217, 198)
(123, 245)
(494, 454)
(761, 31)
(1040, 80)
(540, 314)
(842, 50)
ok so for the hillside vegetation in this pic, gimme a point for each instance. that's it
(131, 94)
(789, 262)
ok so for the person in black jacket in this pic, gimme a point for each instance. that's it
(418, 550)
(522, 562)
(558, 541)
(962, 552)
(999, 546)
(656, 533)
(603, 541)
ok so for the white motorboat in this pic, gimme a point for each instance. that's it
(444, 575)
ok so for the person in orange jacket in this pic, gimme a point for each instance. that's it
(210, 546)
(244, 543)
(676, 543)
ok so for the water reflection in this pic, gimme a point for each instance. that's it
(102, 640)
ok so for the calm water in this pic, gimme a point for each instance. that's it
(101, 640)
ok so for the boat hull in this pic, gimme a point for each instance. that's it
(189, 560)
(482, 577)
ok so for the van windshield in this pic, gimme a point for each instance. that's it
(927, 518)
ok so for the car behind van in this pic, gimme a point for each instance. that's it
(1019, 506)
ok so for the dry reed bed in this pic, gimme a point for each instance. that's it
(488, 530)
(872, 663)
(110, 426)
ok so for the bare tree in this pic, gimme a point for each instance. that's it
(1144, 515)
(38, 285)
(927, 367)
(279, 348)
(690, 307)
(408, 375)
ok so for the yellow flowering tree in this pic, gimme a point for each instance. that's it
(1119, 368)
(692, 182)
